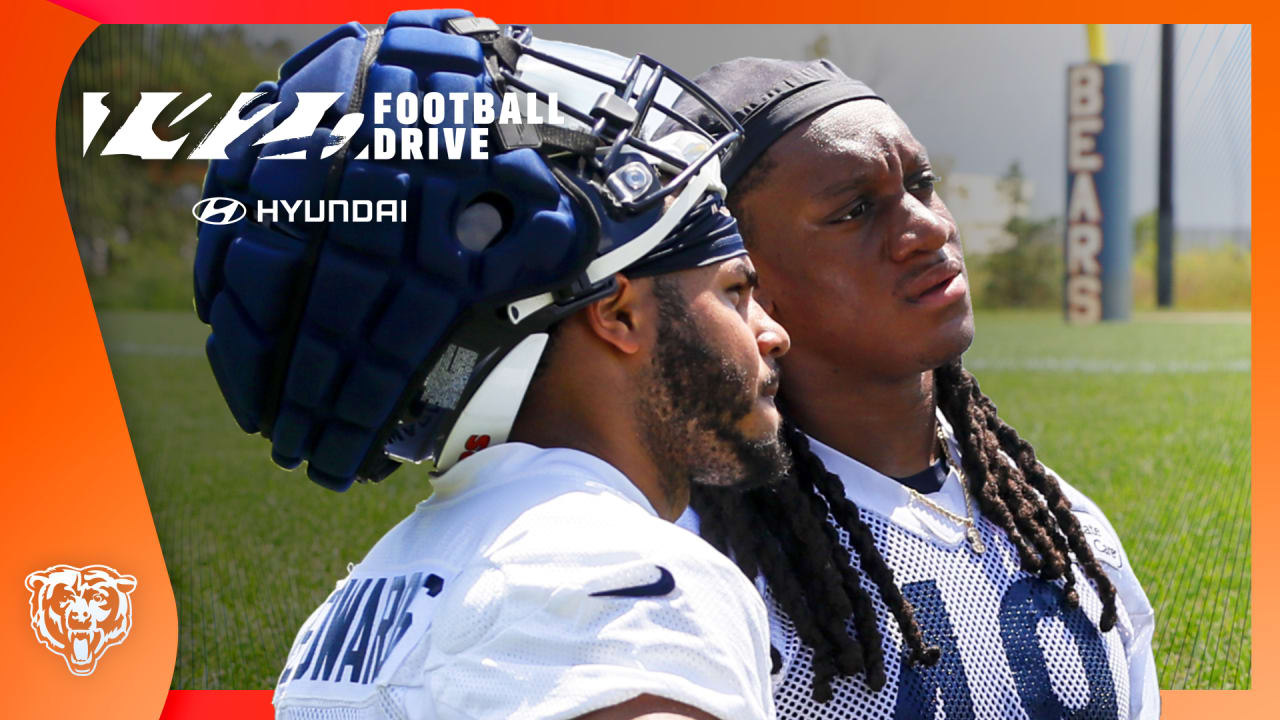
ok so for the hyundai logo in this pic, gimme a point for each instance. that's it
(219, 211)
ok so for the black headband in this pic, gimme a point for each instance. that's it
(705, 236)
(769, 97)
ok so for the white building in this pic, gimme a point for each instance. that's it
(982, 205)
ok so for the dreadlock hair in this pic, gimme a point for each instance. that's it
(1016, 492)
(787, 532)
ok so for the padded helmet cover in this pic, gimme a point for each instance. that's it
(323, 333)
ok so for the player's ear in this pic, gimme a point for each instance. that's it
(619, 318)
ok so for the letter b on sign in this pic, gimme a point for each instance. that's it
(1084, 93)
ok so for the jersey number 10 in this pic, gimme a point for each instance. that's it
(1027, 602)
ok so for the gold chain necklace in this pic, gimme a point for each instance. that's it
(970, 527)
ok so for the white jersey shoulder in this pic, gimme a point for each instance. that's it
(532, 584)
(1144, 687)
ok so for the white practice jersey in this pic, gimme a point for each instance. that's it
(532, 584)
(1011, 646)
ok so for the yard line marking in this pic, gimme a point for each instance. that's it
(1195, 317)
(1116, 367)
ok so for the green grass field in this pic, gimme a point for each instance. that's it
(1150, 418)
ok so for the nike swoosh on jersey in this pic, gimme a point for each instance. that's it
(664, 584)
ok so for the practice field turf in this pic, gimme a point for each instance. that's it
(1149, 418)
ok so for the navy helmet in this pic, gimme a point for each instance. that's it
(354, 346)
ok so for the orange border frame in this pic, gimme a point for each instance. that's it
(89, 506)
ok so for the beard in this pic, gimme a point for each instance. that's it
(690, 411)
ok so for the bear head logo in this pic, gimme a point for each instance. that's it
(80, 612)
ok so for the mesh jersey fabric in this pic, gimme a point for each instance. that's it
(479, 605)
(1011, 647)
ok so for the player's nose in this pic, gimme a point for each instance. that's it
(921, 228)
(771, 337)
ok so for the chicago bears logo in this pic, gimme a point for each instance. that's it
(80, 612)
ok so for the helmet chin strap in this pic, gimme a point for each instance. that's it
(619, 259)
(488, 415)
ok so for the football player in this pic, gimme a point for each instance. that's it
(566, 330)
(920, 562)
